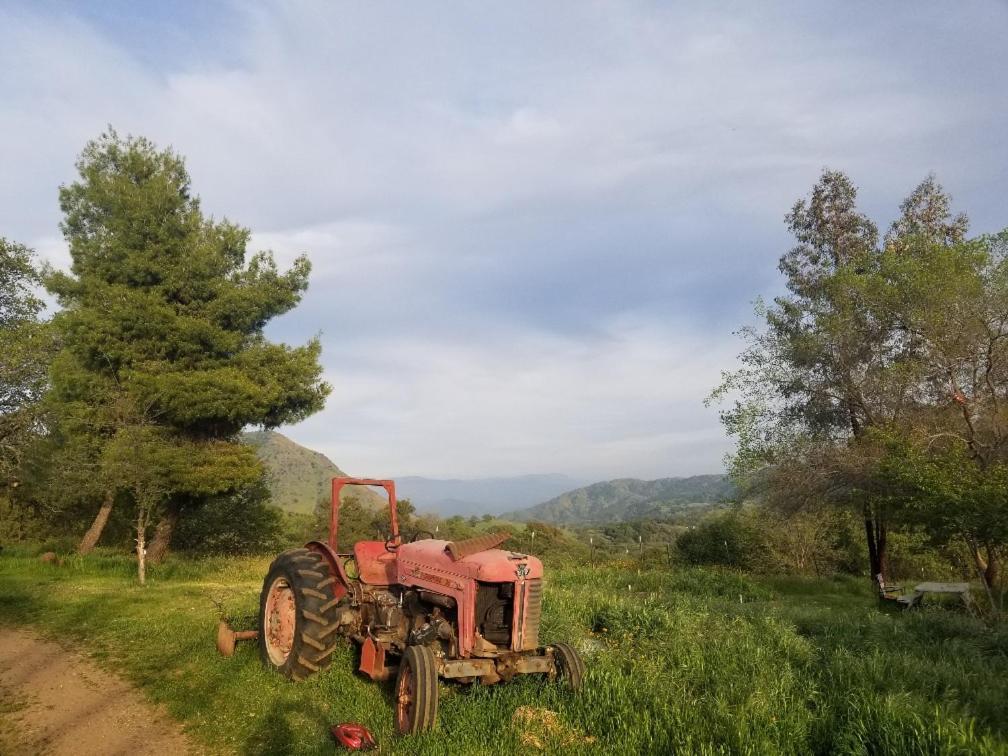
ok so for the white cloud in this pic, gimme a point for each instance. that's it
(532, 227)
(626, 403)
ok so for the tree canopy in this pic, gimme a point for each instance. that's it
(25, 347)
(161, 327)
(881, 350)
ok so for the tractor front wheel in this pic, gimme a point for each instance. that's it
(416, 691)
(297, 615)
(569, 667)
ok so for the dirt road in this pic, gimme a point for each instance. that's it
(56, 701)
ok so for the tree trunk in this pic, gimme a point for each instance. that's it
(876, 535)
(141, 548)
(90, 539)
(981, 567)
(991, 576)
(873, 560)
(162, 534)
(881, 547)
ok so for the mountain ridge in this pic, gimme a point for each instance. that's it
(479, 496)
(625, 499)
(298, 477)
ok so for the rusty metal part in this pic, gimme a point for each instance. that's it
(405, 695)
(338, 484)
(280, 621)
(529, 637)
(228, 638)
(466, 667)
(483, 647)
(461, 549)
(502, 668)
(528, 665)
(344, 584)
(437, 598)
(372, 661)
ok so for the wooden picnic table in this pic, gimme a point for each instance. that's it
(960, 589)
(909, 600)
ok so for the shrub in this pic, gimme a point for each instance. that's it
(727, 540)
(243, 523)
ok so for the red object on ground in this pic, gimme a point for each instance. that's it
(353, 736)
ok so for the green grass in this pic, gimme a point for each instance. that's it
(686, 661)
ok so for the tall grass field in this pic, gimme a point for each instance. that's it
(679, 661)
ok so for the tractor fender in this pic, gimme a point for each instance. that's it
(344, 585)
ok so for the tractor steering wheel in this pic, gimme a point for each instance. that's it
(420, 535)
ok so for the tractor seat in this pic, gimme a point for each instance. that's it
(375, 564)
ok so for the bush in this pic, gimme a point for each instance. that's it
(244, 523)
(18, 522)
(727, 540)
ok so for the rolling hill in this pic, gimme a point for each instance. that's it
(298, 476)
(628, 499)
(481, 495)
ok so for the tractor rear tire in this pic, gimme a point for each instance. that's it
(570, 669)
(297, 615)
(416, 691)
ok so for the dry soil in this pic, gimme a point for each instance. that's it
(56, 701)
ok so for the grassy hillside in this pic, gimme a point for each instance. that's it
(679, 661)
(298, 476)
(629, 499)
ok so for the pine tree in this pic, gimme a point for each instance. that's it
(162, 328)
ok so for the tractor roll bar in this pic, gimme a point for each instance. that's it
(337, 486)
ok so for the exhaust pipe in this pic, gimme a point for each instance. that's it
(228, 638)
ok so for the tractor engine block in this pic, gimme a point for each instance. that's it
(495, 612)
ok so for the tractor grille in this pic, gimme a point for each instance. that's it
(533, 612)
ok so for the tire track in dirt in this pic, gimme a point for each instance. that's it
(56, 701)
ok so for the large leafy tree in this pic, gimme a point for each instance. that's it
(833, 359)
(162, 329)
(950, 457)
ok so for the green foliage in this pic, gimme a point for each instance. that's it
(676, 664)
(550, 542)
(25, 345)
(18, 278)
(240, 523)
(956, 501)
(360, 519)
(162, 328)
(19, 522)
(727, 540)
(905, 339)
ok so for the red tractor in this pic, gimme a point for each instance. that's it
(424, 609)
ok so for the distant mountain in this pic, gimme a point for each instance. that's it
(298, 476)
(481, 495)
(629, 499)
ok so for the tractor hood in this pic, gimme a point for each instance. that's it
(491, 566)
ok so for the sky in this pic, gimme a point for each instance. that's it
(534, 227)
